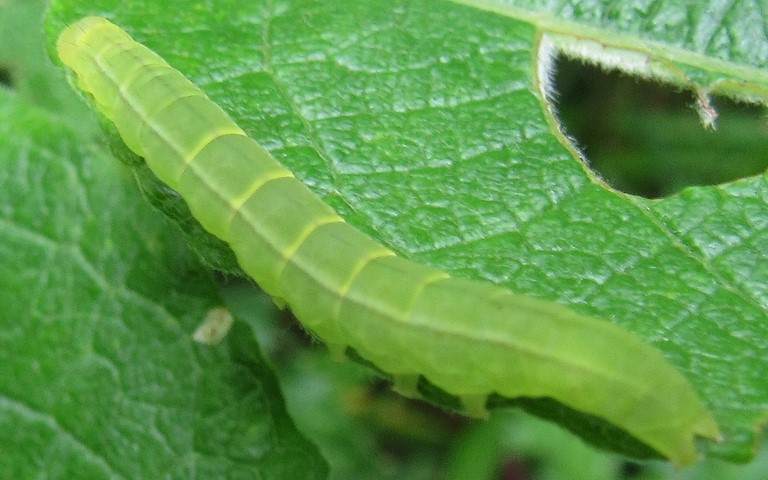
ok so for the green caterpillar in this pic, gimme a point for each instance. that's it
(470, 338)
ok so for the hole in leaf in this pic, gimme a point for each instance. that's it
(646, 138)
(6, 78)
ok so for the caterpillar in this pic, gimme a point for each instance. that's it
(468, 337)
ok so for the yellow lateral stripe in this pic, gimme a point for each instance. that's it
(428, 280)
(291, 250)
(236, 203)
(221, 131)
(380, 252)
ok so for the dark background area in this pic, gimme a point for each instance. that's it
(646, 138)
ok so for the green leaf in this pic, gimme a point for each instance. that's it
(425, 123)
(99, 375)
